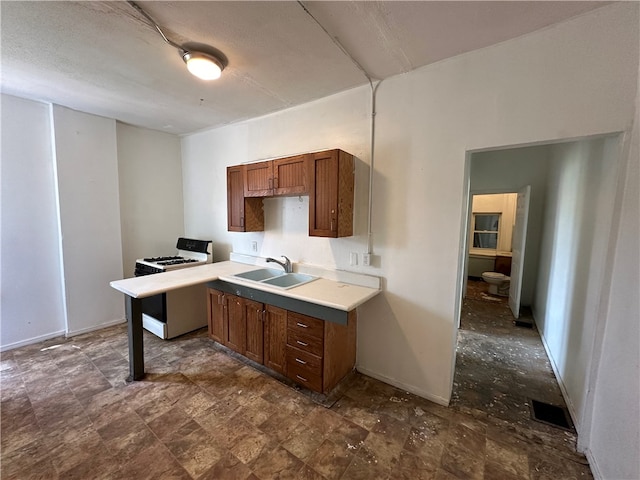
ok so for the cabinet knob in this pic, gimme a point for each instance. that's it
(302, 343)
(302, 378)
(301, 361)
(302, 325)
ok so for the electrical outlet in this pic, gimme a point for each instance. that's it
(254, 246)
(366, 259)
(353, 258)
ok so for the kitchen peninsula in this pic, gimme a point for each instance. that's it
(330, 297)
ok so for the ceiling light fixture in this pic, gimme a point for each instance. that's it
(202, 65)
(205, 65)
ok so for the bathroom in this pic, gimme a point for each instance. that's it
(490, 242)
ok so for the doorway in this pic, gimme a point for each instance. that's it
(573, 192)
(496, 244)
(501, 362)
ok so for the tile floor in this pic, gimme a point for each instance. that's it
(201, 414)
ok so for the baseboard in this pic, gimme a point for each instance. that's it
(61, 333)
(593, 465)
(556, 372)
(407, 388)
(31, 341)
(93, 328)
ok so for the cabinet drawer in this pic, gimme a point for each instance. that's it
(299, 374)
(304, 342)
(304, 360)
(310, 326)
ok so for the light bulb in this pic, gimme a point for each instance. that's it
(202, 65)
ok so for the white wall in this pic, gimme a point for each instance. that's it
(89, 151)
(87, 179)
(340, 121)
(576, 232)
(614, 435)
(570, 80)
(510, 170)
(32, 299)
(150, 186)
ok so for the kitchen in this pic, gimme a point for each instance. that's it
(418, 196)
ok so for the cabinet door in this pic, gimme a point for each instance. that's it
(235, 199)
(275, 338)
(243, 214)
(331, 183)
(216, 315)
(236, 338)
(258, 179)
(290, 176)
(254, 314)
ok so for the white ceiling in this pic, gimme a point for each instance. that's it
(104, 58)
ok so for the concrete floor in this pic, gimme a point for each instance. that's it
(500, 367)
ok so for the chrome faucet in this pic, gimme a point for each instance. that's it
(286, 264)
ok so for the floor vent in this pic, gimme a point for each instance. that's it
(524, 323)
(550, 414)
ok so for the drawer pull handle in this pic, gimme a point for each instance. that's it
(302, 325)
(302, 378)
(302, 343)
(301, 361)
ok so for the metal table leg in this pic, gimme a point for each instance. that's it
(136, 348)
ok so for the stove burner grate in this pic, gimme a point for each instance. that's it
(161, 259)
(177, 261)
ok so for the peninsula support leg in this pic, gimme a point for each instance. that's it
(136, 348)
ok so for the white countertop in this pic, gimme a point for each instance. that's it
(322, 291)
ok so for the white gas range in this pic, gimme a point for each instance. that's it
(174, 313)
(190, 254)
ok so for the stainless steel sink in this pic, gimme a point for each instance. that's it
(289, 280)
(260, 274)
(275, 278)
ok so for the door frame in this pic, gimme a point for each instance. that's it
(466, 225)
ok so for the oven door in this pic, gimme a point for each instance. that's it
(156, 307)
(154, 315)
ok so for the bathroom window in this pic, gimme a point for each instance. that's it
(485, 230)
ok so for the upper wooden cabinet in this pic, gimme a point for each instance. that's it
(290, 176)
(244, 214)
(327, 177)
(285, 176)
(258, 179)
(331, 190)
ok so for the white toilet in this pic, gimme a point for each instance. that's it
(498, 283)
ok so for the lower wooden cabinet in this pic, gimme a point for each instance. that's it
(275, 338)
(312, 352)
(216, 314)
(237, 323)
(254, 320)
(236, 338)
(319, 353)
